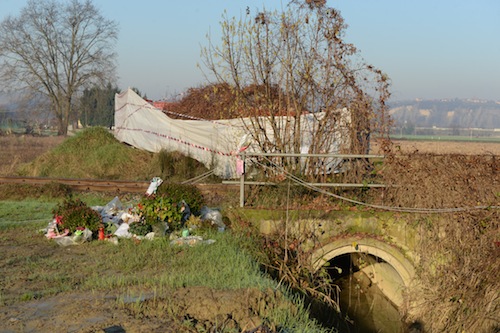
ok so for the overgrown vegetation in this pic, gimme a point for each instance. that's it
(183, 192)
(177, 168)
(461, 285)
(94, 153)
(294, 63)
(459, 258)
(459, 261)
(459, 270)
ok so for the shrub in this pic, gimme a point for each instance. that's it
(75, 213)
(154, 209)
(178, 192)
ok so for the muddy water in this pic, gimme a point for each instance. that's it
(363, 305)
(367, 309)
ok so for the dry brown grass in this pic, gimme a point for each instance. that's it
(458, 271)
(425, 180)
(458, 251)
(16, 150)
(444, 147)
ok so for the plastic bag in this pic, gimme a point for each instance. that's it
(122, 231)
(212, 215)
(111, 212)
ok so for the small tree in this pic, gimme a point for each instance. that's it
(57, 48)
(293, 63)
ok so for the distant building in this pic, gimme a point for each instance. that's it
(162, 105)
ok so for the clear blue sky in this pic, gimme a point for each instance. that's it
(429, 48)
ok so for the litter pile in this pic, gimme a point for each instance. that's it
(129, 221)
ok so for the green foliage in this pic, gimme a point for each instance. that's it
(140, 228)
(74, 213)
(157, 208)
(178, 192)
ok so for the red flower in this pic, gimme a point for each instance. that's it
(59, 220)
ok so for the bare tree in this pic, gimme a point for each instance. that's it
(57, 49)
(295, 62)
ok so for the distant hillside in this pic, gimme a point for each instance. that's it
(448, 113)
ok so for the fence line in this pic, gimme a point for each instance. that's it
(244, 155)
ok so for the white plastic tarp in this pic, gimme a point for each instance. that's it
(214, 143)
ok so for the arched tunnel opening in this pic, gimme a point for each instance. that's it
(363, 280)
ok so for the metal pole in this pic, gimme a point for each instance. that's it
(242, 183)
(242, 190)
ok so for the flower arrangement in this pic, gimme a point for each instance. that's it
(140, 228)
(74, 214)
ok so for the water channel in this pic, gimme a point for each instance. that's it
(364, 307)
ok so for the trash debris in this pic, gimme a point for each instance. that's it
(51, 231)
(153, 186)
(186, 212)
(113, 240)
(112, 212)
(122, 231)
(214, 216)
(117, 220)
(78, 237)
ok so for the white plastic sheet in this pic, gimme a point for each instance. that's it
(216, 144)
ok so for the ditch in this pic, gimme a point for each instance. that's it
(364, 307)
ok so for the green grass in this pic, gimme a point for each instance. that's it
(131, 269)
(25, 212)
(93, 153)
(221, 265)
(38, 211)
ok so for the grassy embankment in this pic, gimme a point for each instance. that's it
(127, 269)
